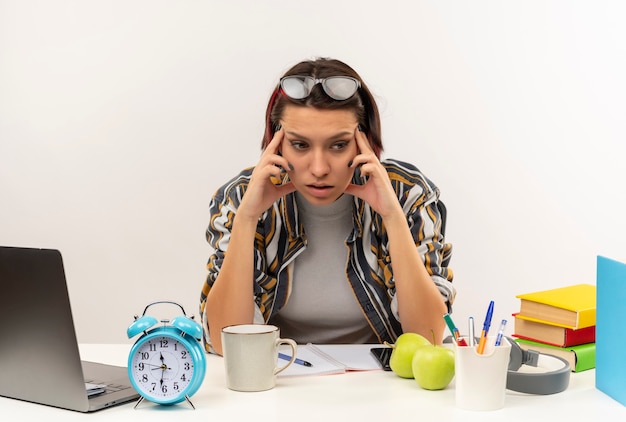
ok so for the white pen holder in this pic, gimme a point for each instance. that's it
(481, 378)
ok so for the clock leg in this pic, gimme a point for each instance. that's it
(190, 403)
(138, 402)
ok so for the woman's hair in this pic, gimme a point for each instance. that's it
(362, 103)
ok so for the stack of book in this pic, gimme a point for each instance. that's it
(561, 322)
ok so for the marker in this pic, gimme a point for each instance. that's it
(485, 331)
(500, 332)
(454, 330)
(298, 361)
(472, 334)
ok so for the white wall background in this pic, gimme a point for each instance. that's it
(119, 119)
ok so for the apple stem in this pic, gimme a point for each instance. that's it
(433, 333)
(390, 345)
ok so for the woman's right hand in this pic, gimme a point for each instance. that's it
(261, 192)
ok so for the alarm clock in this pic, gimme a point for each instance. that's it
(166, 365)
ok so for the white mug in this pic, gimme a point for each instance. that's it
(251, 354)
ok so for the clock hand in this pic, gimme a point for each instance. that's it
(155, 366)
(162, 370)
(163, 364)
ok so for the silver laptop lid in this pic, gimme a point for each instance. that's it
(39, 356)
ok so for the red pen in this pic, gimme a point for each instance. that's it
(460, 341)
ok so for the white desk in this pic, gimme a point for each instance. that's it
(356, 396)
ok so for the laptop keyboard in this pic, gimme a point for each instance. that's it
(109, 388)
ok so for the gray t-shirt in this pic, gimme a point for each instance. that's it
(322, 307)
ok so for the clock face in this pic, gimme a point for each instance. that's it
(161, 368)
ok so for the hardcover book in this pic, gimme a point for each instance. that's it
(571, 306)
(556, 335)
(611, 365)
(580, 358)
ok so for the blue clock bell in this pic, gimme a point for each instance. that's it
(166, 365)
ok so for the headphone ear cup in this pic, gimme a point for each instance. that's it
(554, 379)
(517, 355)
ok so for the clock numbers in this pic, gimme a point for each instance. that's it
(161, 367)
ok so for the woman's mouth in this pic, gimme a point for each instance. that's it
(319, 190)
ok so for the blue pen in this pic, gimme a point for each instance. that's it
(483, 335)
(500, 332)
(298, 361)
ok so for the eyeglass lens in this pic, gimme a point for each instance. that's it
(297, 87)
(340, 88)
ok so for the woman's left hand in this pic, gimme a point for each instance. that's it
(377, 191)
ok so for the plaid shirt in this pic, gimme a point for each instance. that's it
(280, 238)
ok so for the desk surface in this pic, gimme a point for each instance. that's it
(359, 396)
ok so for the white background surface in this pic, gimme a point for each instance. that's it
(119, 119)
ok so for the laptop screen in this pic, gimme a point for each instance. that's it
(40, 356)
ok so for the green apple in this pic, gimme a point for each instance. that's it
(433, 366)
(401, 360)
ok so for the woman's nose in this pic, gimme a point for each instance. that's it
(319, 165)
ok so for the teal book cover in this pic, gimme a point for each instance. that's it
(610, 299)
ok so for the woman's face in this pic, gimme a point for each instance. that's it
(319, 144)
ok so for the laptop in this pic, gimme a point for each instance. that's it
(39, 355)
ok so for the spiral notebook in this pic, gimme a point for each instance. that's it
(326, 359)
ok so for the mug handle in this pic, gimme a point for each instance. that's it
(293, 346)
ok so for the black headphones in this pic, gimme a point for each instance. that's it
(553, 378)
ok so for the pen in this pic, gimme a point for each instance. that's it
(485, 331)
(500, 332)
(298, 361)
(472, 334)
(454, 330)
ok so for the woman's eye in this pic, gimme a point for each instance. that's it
(339, 145)
(298, 145)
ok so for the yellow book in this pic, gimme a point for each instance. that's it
(571, 306)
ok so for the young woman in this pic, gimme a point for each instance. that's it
(321, 238)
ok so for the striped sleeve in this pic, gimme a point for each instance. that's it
(223, 208)
(419, 197)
